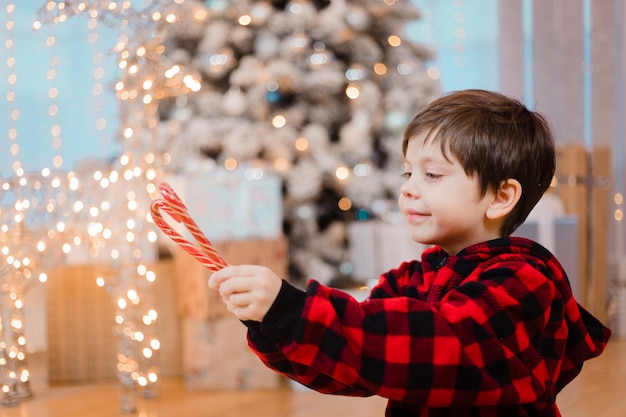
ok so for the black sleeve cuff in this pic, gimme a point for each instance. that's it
(284, 313)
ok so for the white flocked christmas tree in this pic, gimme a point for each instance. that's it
(318, 90)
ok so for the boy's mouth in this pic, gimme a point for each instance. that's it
(414, 215)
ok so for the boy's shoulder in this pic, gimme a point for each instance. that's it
(508, 261)
(479, 256)
(515, 258)
(507, 249)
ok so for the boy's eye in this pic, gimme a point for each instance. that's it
(406, 175)
(432, 176)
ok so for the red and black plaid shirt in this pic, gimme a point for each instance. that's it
(491, 331)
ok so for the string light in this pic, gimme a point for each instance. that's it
(427, 32)
(14, 113)
(126, 228)
(15, 376)
(98, 74)
(53, 108)
(460, 33)
(618, 214)
(97, 202)
(353, 91)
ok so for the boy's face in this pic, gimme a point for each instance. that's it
(441, 204)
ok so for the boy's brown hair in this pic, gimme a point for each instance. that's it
(495, 138)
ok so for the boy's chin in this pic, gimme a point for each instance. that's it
(421, 239)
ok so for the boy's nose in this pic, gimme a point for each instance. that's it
(409, 190)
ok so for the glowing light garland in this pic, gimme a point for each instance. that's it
(130, 185)
(14, 375)
(31, 220)
(14, 115)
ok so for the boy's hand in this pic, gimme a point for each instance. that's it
(247, 290)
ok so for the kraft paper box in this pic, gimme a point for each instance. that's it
(81, 318)
(194, 296)
(216, 355)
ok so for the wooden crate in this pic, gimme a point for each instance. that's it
(80, 323)
(81, 316)
(215, 351)
(199, 338)
(195, 297)
(583, 185)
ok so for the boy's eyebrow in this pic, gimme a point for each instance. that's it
(429, 158)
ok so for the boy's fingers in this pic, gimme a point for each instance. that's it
(217, 278)
(215, 281)
(235, 285)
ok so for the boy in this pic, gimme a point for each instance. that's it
(484, 325)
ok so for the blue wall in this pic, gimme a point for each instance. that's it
(464, 36)
(74, 80)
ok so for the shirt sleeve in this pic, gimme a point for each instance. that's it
(278, 329)
(481, 343)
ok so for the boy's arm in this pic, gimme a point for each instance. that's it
(268, 340)
(271, 309)
(495, 340)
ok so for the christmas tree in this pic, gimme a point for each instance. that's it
(319, 90)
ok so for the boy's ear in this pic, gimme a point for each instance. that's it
(505, 199)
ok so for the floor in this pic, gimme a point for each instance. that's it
(600, 391)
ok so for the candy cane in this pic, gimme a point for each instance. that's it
(171, 204)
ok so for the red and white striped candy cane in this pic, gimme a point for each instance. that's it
(171, 204)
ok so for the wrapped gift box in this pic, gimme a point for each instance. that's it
(194, 296)
(617, 316)
(81, 344)
(199, 338)
(81, 315)
(216, 355)
(377, 246)
(618, 322)
(245, 203)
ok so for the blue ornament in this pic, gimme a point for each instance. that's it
(362, 214)
(273, 97)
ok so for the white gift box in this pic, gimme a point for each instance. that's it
(618, 317)
(377, 246)
(245, 203)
